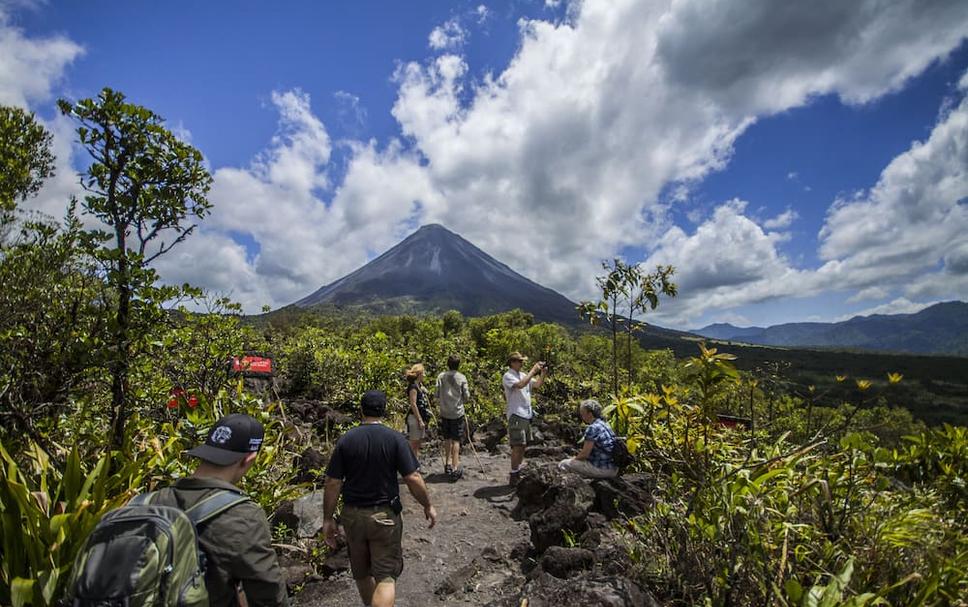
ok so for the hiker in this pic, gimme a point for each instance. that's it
(237, 543)
(419, 412)
(364, 467)
(517, 392)
(595, 458)
(452, 393)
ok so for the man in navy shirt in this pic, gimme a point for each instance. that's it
(364, 466)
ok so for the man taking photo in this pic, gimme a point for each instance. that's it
(517, 391)
(364, 467)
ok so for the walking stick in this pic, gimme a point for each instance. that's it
(470, 439)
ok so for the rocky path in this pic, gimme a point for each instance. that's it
(466, 558)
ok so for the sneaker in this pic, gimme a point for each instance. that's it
(456, 475)
(448, 469)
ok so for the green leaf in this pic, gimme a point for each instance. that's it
(22, 592)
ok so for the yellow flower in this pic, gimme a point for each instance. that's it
(863, 384)
(840, 378)
(894, 378)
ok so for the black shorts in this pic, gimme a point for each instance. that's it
(452, 429)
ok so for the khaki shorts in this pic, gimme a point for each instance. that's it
(413, 428)
(373, 537)
(519, 431)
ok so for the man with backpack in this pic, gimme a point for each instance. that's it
(239, 563)
(452, 394)
(364, 467)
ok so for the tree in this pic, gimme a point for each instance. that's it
(146, 186)
(25, 156)
(644, 291)
(626, 285)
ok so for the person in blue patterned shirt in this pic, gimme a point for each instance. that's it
(595, 458)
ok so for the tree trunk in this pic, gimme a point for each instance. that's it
(121, 365)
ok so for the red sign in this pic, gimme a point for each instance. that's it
(252, 365)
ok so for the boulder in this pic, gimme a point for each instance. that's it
(457, 580)
(562, 562)
(310, 466)
(493, 433)
(548, 527)
(308, 509)
(335, 563)
(285, 515)
(628, 495)
(532, 486)
(587, 591)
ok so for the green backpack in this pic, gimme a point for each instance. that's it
(147, 554)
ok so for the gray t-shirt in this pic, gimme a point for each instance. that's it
(452, 394)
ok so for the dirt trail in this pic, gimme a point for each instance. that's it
(465, 557)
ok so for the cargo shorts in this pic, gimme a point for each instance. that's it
(373, 538)
(519, 431)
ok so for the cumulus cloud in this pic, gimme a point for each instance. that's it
(900, 305)
(304, 238)
(910, 222)
(560, 160)
(450, 35)
(764, 57)
(30, 67)
(781, 221)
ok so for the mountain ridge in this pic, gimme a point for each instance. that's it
(938, 329)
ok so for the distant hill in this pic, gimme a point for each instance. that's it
(434, 270)
(938, 329)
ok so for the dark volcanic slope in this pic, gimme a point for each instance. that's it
(435, 270)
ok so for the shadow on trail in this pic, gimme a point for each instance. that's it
(501, 494)
(438, 477)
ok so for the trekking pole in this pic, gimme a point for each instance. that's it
(470, 439)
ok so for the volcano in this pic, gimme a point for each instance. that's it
(434, 270)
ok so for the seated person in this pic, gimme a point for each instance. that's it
(595, 458)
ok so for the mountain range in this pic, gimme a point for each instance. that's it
(434, 270)
(938, 329)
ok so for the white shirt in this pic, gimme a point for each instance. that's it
(519, 399)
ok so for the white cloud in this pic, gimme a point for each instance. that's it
(450, 35)
(868, 294)
(900, 305)
(910, 222)
(781, 221)
(29, 67)
(304, 240)
(482, 13)
(559, 160)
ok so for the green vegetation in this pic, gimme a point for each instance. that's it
(826, 495)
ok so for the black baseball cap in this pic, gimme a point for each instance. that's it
(374, 403)
(231, 438)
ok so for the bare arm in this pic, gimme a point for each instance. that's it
(413, 407)
(541, 378)
(331, 493)
(524, 381)
(418, 490)
(586, 449)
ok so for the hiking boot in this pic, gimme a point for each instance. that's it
(513, 478)
(448, 469)
(456, 475)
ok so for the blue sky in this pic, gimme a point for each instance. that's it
(799, 163)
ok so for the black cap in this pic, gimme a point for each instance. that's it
(374, 403)
(232, 438)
